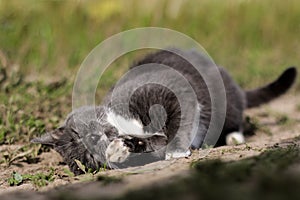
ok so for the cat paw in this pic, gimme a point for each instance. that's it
(178, 155)
(117, 151)
(235, 138)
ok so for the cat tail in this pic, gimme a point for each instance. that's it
(272, 90)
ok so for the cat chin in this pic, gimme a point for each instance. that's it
(235, 138)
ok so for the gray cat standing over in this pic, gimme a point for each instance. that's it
(91, 135)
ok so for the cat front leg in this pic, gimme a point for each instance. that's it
(179, 147)
(117, 151)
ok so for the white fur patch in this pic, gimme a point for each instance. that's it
(178, 155)
(125, 126)
(117, 151)
(235, 138)
(129, 127)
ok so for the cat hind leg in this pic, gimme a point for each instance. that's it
(235, 138)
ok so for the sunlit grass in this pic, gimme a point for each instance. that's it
(254, 39)
(43, 43)
(48, 40)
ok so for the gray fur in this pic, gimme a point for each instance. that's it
(89, 125)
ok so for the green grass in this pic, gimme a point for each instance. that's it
(249, 38)
(43, 43)
(31, 107)
(38, 179)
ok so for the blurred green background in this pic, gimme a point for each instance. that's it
(43, 43)
(254, 39)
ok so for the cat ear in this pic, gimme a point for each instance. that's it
(49, 138)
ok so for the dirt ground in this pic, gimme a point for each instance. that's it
(278, 122)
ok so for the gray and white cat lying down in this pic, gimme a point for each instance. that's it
(91, 135)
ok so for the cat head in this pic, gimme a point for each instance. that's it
(96, 137)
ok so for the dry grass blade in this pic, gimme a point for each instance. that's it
(19, 156)
(80, 165)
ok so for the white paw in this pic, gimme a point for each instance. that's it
(235, 138)
(178, 155)
(117, 151)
